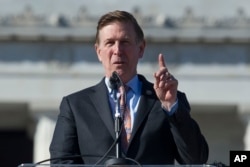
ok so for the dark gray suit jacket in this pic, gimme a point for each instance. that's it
(85, 126)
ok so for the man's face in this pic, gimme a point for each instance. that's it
(118, 50)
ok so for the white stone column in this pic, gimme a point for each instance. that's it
(42, 139)
(247, 137)
(245, 111)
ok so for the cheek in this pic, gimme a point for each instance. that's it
(101, 55)
(105, 60)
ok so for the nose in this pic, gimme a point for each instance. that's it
(117, 48)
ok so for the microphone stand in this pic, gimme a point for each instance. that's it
(116, 82)
(118, 122)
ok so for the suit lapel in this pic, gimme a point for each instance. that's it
(101, 103)
(146, 103)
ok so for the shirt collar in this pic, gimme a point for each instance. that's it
(134, 84)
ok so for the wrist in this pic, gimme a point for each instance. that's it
(168, 105)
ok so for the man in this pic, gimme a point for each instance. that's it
(162, 129)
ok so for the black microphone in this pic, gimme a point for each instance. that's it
(115, 81)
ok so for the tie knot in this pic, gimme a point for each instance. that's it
(124, 89)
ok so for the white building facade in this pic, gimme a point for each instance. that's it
(41, 64)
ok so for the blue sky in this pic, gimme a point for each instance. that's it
(174, 8)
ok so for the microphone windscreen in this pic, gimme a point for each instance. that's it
(114, 81)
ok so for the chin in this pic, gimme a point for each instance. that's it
(120, 71)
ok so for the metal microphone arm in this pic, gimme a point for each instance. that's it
(115, 83)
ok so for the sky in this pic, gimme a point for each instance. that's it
(173, 8)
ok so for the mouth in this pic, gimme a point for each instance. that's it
(119, 62)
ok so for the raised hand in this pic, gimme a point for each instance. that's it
(165, 84)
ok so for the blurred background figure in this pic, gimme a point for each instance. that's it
(47, 49)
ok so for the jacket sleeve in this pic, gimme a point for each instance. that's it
(64, 142)
(191, 145)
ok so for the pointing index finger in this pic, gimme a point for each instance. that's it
(161, 61)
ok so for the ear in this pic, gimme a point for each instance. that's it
(97, 50)
(142, 48)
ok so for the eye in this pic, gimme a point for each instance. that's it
(125, 41)
(109, 43)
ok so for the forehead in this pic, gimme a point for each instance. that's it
(124, 29)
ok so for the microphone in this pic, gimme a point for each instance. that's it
(115, 81)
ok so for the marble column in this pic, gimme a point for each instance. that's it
(42, 138)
